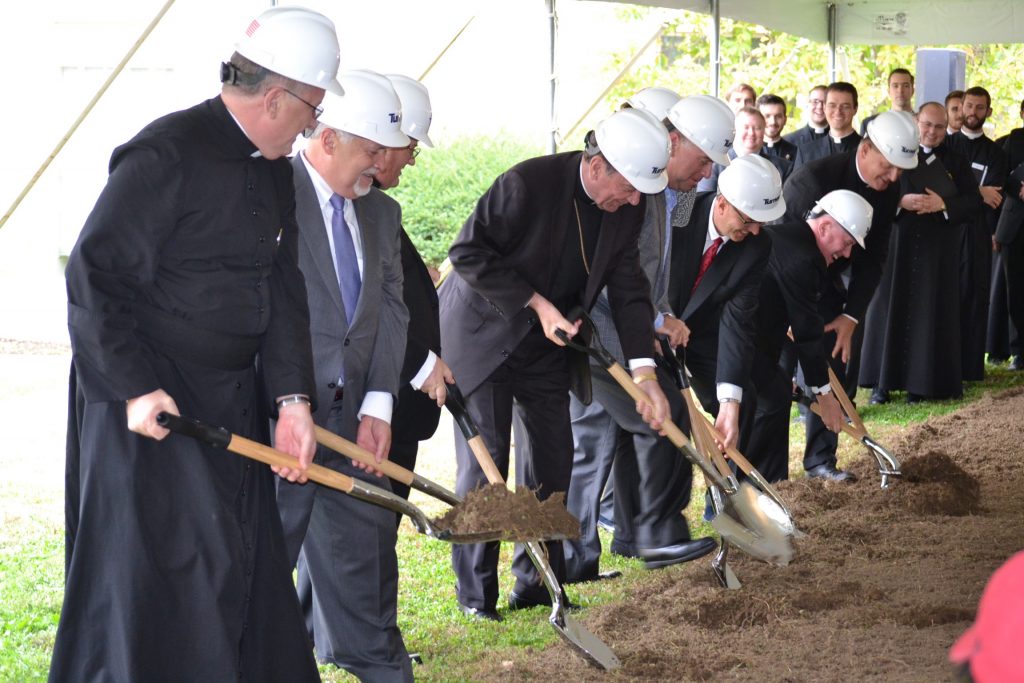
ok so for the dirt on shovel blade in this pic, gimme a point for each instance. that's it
(518, 515)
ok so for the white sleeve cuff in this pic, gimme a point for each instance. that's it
(659, 321)
(637, 363)
(847, 315)
(821, 391)
(378, 404)
(726, 390)
(425, 370)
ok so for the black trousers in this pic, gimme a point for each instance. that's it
(535, 378)
(1013, 267)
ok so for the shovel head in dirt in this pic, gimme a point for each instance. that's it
(218, 437)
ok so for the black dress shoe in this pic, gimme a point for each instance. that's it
(655, 558)
(598, 576)
(879, 397)
(623, 549)
(517, 601)
(481, 613)
(828, 471)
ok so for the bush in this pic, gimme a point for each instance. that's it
(439, 193)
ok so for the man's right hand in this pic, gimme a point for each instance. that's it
(551, 319)
(436, 384)
(831, 412)
(142, 412)
(676, 330)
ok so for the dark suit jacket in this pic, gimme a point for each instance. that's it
(824, 147)
(416, 416)
(509, 248)
(839, 172)
(721, 311)
(1012, 215)
(789, 298)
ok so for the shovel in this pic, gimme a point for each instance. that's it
(218, 437)
(888, 465)
(759, 537)
(583, 642)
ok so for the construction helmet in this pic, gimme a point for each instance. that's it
(707, 122)
(637, 146)
(895, 135)
(656, 100)
(753, 185)
(296, 43)
(370, 108)
(416, 114)
(850, 210)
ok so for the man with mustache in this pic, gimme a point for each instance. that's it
(349, 255)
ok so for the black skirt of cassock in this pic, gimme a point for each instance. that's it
(176, 564)
(912, 331)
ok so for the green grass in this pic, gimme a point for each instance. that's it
(31, 574)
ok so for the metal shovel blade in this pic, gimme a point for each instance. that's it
(888, 465)
(776, 551)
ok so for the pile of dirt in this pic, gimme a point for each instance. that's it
(516, 516)
(881, 586)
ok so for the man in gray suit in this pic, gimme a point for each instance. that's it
(349, 255)
(651, 483)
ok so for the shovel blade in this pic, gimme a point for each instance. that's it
(761, 514)
(583, 642)
(773, 549)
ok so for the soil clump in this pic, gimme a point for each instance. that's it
(518, 516)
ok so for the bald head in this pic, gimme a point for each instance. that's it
(931, 123)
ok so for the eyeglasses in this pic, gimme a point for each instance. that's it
(816, 102)
(414, 149)
(317, 111)
(832, 106)
(746, 219)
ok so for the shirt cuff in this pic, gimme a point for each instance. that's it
(637, 363)
(821, 391)
(659, 321)
(847, 315)
(425, 370)
(378, 404)
(726, 390)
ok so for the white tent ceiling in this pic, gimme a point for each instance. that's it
(876, 22)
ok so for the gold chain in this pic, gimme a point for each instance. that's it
(579, 229)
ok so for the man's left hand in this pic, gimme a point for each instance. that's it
(654, 410)
(295, 435)
(992, 196)
(843, 326)
(373, 435)
(436, 384)
(676, 330)
(727, 425)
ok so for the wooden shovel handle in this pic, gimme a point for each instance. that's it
(272, 456)
(672, 431)
(851, 429)
(844, 400)
(360, 454)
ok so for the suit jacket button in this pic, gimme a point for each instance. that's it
(346, 342)
(332, 385)
(504, 353)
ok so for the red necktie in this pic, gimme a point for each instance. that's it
(705, 262)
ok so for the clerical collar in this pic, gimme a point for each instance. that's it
(971, 134)
(856, 165)
(818, 131)
(840, 140)
(771, 143)
(950, 131)
(583, 185)
(255, 155)
(926, 149)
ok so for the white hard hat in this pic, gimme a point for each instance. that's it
(850, 210)
(297, 43)
(656, 100)
(370, 108)
(753, 185)
(895, 135)
(636, 144)
(707, 122)
(416, 114)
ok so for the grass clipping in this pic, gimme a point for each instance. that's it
(495, 511)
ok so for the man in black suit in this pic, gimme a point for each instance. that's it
(773, 109)
(796, 276)
(871, 171)
(424, 373)
(840, 108)
(718, 259)
(1009, 238)
(548, 235)
(817, 124)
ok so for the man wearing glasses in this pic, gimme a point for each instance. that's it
(718, 258)
(184, 294)
(840, 108)
(349, 255)
(817, 124)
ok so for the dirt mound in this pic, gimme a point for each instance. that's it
(518, 516)
(881, 586)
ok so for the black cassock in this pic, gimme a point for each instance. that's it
(184, 278)
(988, 164)
(912, 331)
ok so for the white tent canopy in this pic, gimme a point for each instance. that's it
(875, 22)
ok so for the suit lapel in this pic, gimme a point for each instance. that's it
(714, 276)
(368, 234)
(313, 232)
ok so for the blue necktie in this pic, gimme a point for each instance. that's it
(345, 261)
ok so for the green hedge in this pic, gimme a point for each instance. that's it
(441, 190)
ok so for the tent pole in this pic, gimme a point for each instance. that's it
(88, 108)
(716, 54)
(552, 38)
(833, 25)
